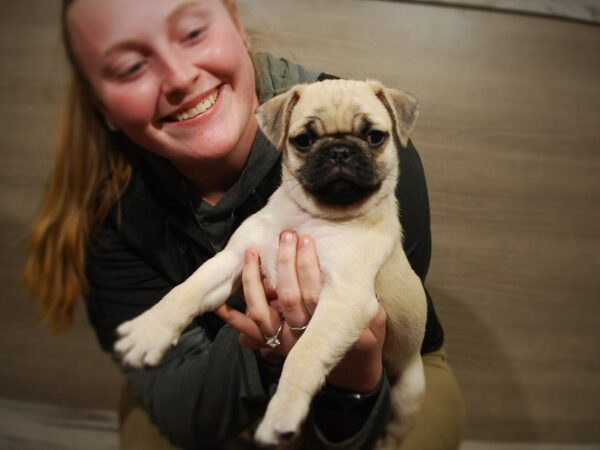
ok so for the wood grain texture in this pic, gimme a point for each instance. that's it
(509, 134)
(580, 10)
(34, 426)
(69, 369)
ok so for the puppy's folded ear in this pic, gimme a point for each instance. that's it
(273, 116)
(402, 107)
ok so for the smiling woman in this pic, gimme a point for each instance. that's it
(160, 160)
(149, 66)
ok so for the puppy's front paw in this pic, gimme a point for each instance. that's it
(282, 420)
(144, 340)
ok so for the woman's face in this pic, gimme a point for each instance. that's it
(174, 75)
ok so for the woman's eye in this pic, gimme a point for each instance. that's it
(194, 34)
(302, 142)
(376, 137)
(131, 71)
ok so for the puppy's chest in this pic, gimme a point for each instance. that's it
(325, 235)
(362, 241)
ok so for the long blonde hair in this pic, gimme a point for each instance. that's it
(89, 176)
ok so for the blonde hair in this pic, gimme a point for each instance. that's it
(89, 176)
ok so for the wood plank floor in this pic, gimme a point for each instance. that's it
(34, 426)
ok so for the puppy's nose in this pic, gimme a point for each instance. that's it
(339, 154)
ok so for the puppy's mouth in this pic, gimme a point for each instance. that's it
(344, 192)
(340, 183)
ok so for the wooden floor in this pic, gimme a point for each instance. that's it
(509, 134)
(31, 426)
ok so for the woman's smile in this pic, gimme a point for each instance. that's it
(177, 80)
(199, 107)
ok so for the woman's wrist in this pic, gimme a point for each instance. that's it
(363, 381)
(347, 399)
(340, 413)
(358, 371)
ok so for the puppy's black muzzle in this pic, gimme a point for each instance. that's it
(340, 174)
(339, 154)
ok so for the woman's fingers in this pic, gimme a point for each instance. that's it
(249, 342)
(240, 322)
(260, 321)
(257, 307)
(293, 300)
(288, 290)
(309, 273)
(250, 335)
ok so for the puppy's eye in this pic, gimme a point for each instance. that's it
(375, 137)
(302, 142)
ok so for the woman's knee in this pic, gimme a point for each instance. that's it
(440, 421)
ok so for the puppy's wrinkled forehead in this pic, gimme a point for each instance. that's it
(338, 107)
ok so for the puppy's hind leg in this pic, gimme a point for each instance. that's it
(406, 396)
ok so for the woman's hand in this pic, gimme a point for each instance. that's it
(295, 298)
(291, 303)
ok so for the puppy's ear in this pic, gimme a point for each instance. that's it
(402, 107)
(273, 116)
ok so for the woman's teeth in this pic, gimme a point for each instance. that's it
(201, 107)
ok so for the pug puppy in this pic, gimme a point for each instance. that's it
(340, 141)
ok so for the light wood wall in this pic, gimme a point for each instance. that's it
(509, 134)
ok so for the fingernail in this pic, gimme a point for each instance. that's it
(287, 237)
(249, 256)
(305, 242)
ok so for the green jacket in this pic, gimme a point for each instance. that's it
(207, 390)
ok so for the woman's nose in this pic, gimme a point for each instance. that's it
(180, 74)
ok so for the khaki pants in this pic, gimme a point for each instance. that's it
(438, 426)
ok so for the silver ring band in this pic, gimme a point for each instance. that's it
(298, 329)
(273, 341)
